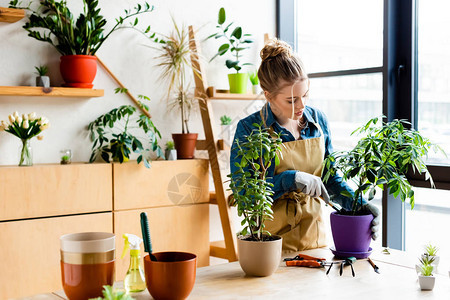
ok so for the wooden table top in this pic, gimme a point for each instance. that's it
(398, 280)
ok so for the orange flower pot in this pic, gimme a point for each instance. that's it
(78, 70)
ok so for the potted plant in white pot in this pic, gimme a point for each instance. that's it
(174, 61)
(259, 252)
(426, 278)
(42, 79)
(431, 253)
(76, 39)
(171, 152)
(115, 135)
(225, 124)
(253, 76)
(236, 43)
(380, 159)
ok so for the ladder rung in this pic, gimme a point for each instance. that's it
(217, 249)
(203, 145)
(212, 198)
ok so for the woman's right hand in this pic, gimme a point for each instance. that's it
(310, 184)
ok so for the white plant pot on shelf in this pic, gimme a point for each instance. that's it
(171, 154)
(256, 89)
(426, 282)
(227, 134)
(43, 81)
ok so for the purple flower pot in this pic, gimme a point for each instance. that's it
(351, 233)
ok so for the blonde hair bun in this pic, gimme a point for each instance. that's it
(275, 47)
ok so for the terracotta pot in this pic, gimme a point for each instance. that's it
(87, 263)
(78, 70)
(185, 144)
(259, 258)
(172, 276)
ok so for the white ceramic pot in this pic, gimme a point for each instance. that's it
(426, 282)
(256, 89)
(171, 154)
(259, 258)
(43, 81)
(227, 134)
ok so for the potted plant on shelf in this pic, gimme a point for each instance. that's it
(236, 43)
(171, 152)
(253, 76)
(66, 156)
(225, 124)
(174, 62)
(426, 278)
(42, 79)
(25, 127)
(259, 252)
(380, 159)
(114, 135)
(76, 39)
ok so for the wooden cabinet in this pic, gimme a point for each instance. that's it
(38, 204)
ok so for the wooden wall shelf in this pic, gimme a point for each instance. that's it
(11, 15)
(214, 94)
(49, 92)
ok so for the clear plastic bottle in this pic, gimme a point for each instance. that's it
(134, 279)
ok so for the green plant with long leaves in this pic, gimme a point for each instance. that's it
(54, 23)
(431, 250)
(113, 134)
(426, 270)
(175, 60)
(381, 159)
(41, 70)
(252, 193)
(236, 42)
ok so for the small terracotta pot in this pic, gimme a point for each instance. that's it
(259, 258)
(185, 144)
(78, 70)
(172, 276)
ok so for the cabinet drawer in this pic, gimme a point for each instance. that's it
(30, 251)
(50, 190)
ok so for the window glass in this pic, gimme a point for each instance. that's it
(434, 75)
(340, 35)
(348, 102)
(429, 222)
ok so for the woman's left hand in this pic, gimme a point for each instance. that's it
(369, 207)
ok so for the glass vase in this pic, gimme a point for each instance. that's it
(26, 154)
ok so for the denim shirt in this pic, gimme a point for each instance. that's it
(285, 181)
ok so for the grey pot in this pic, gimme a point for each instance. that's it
(43, 81)
(171, 154)
(259, 258)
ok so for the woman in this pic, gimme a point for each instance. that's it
(306, 142)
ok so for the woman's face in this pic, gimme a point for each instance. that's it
(291, 101)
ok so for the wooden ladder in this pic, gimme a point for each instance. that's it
(223, 249)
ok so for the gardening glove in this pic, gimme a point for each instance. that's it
(369, 207)
(310, 184)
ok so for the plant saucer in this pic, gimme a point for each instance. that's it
(345, 254)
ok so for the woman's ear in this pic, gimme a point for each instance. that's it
(267, 95)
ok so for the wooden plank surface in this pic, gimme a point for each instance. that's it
(166, 183)
(50, 190)
(49, 92)
(30, 252)
(179, 228)
(11, 15)
(213, 94)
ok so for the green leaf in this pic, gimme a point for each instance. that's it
(237, 32)
(222, 16)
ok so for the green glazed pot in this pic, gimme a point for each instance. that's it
(238, 83)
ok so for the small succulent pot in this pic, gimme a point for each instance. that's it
(256, 89)
(43, 81)
(171, 154)
(426, 282)
(66, 156)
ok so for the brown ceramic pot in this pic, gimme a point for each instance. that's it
(172, 276)
(259, 258)
(185, 144)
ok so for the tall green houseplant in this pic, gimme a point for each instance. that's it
(252, 193)
(235, 43)
(381, 158)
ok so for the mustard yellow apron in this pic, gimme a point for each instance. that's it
(297, 217)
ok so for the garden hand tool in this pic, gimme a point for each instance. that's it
(146, 236)
(327, 200)
(375, 267)
(347, 262)
(303, 260)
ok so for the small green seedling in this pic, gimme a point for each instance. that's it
(253, 76)
(225, 120)
(41, 70)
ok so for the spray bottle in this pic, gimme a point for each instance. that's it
(135, 279)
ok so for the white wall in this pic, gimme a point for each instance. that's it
(133, 63)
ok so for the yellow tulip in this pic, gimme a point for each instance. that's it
(12, 119)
